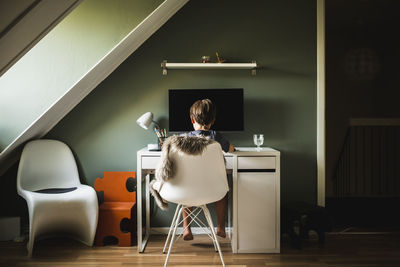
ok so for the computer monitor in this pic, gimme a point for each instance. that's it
(228, 102)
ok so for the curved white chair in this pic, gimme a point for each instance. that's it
(198, 180)
(58, 203)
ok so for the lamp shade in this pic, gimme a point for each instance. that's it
(145, 120)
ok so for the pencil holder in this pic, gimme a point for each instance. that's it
(161, 142)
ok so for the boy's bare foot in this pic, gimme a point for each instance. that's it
(221, 232)
(187, 235)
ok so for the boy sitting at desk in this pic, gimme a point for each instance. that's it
(203, 114)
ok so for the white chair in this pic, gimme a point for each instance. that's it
(58, 203)
(198, 180)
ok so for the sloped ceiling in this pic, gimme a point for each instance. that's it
(24, 22)
(11, 10)
(86, 82)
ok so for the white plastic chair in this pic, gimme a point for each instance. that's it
(198, 180)
(58, 203)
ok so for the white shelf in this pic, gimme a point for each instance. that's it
(180, 66)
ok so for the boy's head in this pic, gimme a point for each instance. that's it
(203, 112)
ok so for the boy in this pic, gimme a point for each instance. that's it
(202, 115)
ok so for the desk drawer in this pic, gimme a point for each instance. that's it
(150, 162)
(255, 163)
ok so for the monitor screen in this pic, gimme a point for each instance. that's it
(228, 102)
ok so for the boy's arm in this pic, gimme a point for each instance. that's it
(231, 148)
(225, 144)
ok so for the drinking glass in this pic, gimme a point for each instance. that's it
(258, 140)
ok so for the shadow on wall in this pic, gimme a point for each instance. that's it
(282, 70)
(295, 179)
(11, 204)
(267, 116)
(82, 176)
(275, 119)
(163, 122)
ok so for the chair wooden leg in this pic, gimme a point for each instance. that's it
(170, 228)
(172, 237)
(208, 216)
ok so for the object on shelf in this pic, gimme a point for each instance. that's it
(219, 59)
(249, 66)
(205, 59)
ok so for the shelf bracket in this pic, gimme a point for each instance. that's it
(254, 71)
(164, 67)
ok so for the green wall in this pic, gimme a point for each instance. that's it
(280, 101)
(62, 57)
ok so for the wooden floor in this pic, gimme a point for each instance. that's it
(339, 250)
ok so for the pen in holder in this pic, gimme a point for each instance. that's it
(161, 136)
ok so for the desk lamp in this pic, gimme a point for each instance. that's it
(144, 121)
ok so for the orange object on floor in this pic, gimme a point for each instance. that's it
(117, 212)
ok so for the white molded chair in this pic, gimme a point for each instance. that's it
(198, 180)
(58, 203)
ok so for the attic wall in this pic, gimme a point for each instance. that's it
(280, 101)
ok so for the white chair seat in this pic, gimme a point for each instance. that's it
(64, 213)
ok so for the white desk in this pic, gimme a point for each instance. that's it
(255, 203)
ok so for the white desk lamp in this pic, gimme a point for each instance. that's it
(144, 121)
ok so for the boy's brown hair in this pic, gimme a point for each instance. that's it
(203, 112)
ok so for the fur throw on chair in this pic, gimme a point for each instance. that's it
(191, 145)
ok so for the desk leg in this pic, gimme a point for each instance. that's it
(142, 241)
(229, 200)
(147, 186)
(139, 207)
(234, 238)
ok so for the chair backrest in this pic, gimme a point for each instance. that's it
(114, 186)
(199, 179)
(47, 164)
